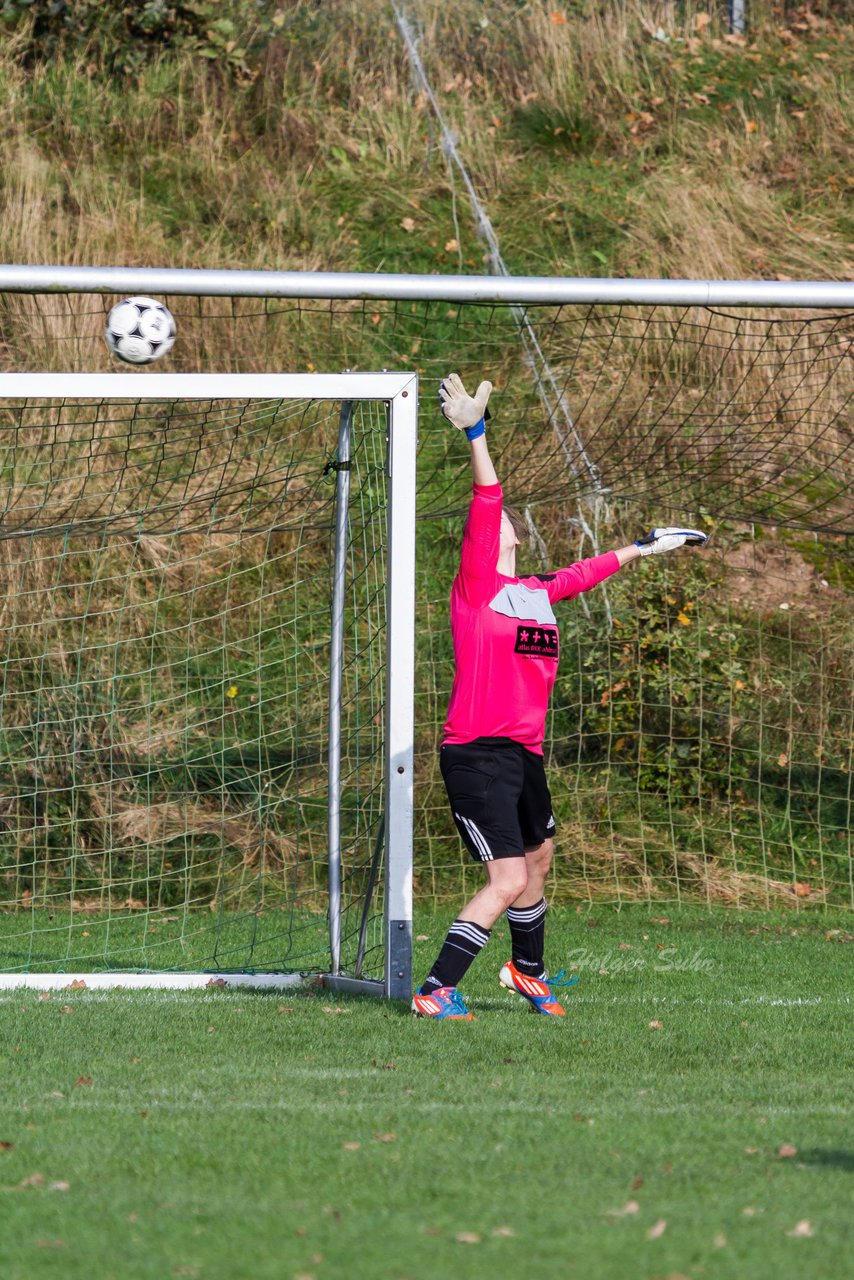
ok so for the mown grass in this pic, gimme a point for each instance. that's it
(688, 1118)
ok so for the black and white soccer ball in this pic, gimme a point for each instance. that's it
(140, 330)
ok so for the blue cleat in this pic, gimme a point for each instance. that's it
(539, 994)
(444, 1002)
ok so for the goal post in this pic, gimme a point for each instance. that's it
(197, 558)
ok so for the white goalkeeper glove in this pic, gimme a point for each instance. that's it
(669, 539)
(465, 412)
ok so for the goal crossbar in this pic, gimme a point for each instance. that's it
(391, 286)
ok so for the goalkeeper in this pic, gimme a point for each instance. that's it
(506, 656)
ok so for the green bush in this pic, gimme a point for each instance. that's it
(123, 37)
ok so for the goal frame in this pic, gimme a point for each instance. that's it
(399, 392)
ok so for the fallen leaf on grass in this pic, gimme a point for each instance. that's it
(802, 1228)
(77, 984)
(787, 1150)
(719, 1241)
(34, 1180)
(285, 1008)
(350, 1146)
(657, 1229)
(467, 1237)
(328, 1008)
(503, 1233)
(408, 224)
(660, 919)
(384, 1066)
(59, 1186)
(631, 1206)
(217, 982)
(750, 1151)
(451, 246)
(422, 937)
(636, 1183)
(656, 1025)
(67, 1008)
(385, 1137)
(6, 1146)
(44, 995)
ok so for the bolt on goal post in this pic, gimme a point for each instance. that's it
(192, 477)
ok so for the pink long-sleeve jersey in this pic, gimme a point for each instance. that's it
(506, 643)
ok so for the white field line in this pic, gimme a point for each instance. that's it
(401, 1107)
(148, 981)
(218, 995)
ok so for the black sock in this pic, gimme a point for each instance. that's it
(528, 934)
(465, 939)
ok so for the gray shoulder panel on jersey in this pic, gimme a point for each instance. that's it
(518, 601)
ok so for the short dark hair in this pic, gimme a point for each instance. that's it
(518, 521)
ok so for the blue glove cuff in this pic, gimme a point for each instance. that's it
(478, 429)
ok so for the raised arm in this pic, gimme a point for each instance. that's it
(482, 470)
(468, 413)
(481, 538)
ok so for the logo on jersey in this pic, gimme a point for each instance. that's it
(536, 642)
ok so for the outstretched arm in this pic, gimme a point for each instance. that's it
(626, 554)
(481, 539)
(483, 472)
(467, 413)
(569, 582)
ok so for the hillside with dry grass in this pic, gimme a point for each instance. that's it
(702, 721)
(617, 139)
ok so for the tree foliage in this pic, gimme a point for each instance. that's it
(125, 36)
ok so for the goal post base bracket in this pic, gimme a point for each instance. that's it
(353, 986)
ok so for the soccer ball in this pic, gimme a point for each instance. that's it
(140, 330)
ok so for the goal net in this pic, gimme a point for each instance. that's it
(700, 743)
(197, 577)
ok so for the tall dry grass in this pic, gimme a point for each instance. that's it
(330, 159)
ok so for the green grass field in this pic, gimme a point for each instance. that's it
(690, 1118)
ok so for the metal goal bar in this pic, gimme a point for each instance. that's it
(556, 290)
(399, 391)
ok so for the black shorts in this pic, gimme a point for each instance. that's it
(499, 797)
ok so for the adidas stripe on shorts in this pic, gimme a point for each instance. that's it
(499, 797)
